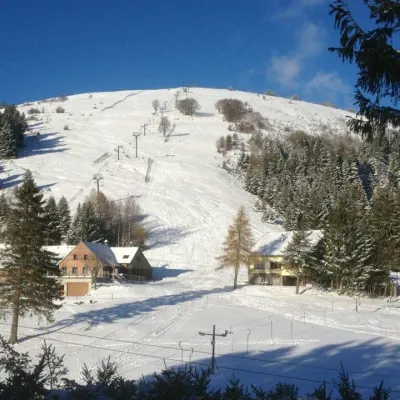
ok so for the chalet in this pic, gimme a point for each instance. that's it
(267, 262)
(79, 263)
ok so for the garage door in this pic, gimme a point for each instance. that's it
(77, 288)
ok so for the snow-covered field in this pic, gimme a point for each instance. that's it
(190, 201)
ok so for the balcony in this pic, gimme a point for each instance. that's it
(82, 275)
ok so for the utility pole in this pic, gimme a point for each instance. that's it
(136, 135)
(144, 129)
(97, 178)
(117, 150)
(213, 334)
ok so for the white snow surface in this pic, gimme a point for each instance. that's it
(190, 201)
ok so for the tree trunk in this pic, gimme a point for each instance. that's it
(14, 325)
(297, 282)
(236, 277)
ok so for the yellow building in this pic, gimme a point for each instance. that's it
(267, 262)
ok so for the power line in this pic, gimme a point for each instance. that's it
(207, 353)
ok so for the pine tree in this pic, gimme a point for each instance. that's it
(52, 222)
(377, 59)
(348, 246)
(26, 288)
(18, 123)
(64, 214)
(297, 255)
(3, 213)
(8, 144)
(90, 223)
(237, 245)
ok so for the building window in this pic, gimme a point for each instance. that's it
(86, 256)
(85, 270)
(259, 265)
(75, 270)
(64, 270)
(274, 265)
(125, 257)
(75, 257)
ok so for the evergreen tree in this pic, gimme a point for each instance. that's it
(237, 245)
(3, 213)
(90, 223)
(348, 248)
(75, 232)
(64, 215)
(52, 222)
(377, 59)
(297, 255)
(26, 288)
(8, 144)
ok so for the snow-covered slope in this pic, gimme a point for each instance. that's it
(190, 200)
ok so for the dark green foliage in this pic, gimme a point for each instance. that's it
(8, 144)
(3, 213)
(52, 223)
(86, 225)
(12, 128)
(26, 288)
(348, 189)
(297, 255)
(377, 60)
(64, 215)
(22, 380)
(101, 219)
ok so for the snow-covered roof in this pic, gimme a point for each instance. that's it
(124, 255)
(61, 251)
(107, 255)
(275, 243)
(102, 252)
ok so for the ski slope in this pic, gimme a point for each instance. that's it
(189, 202)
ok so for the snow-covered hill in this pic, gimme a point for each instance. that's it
(190, 200)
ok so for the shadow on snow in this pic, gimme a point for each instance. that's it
(43, 144)
(123, 311)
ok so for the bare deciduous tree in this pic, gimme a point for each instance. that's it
(237, 245)
(231, 109)
(188, 106)
(94, 266)
(156, 105)
(165, 124)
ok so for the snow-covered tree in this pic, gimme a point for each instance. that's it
(156, 104)
(28, 286)
(8, 143)
(64, 214)
(165, 124)
(297, 255)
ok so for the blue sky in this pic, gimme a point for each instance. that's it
(54, 47)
